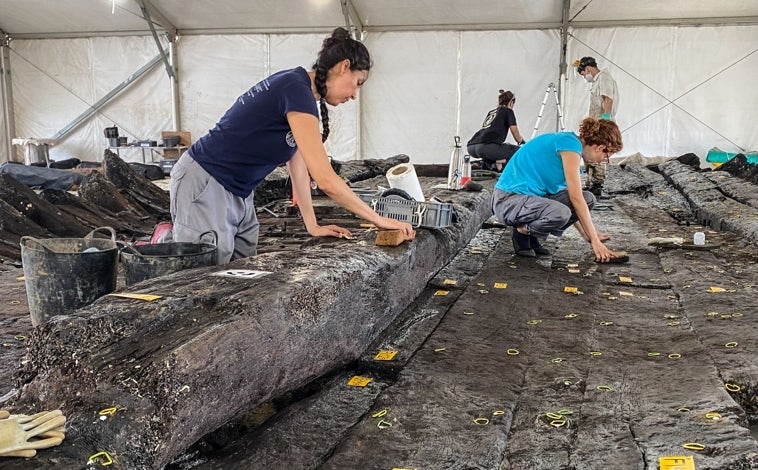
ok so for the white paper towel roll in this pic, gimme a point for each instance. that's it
(403, 176)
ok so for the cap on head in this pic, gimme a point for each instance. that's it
(583, 63)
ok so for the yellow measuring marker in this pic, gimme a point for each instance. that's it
(358, 381)
(145, 297)
(441, 292)
(570, 290)
(385, 355)
(500, 285)
(625, 279)
(677, 462)
(450, 282)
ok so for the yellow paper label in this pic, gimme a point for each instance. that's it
(385, 355)
(570, 290)
(713, 289)
(679, 462)
(628, 294)
(574, 271)
(450, 282)
(500, 285)
(441, 292)
(145, 297)
(625, 279)
(358, 381)
(572, 265)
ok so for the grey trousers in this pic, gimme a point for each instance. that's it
(549, 215)
(200, 203)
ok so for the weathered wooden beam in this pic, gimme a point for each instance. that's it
(214, 347)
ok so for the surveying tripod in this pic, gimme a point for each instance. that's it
(550, 87)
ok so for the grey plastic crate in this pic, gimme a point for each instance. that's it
(418, 214)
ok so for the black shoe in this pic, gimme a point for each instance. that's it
(597, 189)
(521, 245)
(534, 242)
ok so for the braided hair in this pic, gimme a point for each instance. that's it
(336, 48)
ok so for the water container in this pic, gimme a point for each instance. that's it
(698, 238)
(455, 170)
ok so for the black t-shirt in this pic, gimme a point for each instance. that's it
(495, 127)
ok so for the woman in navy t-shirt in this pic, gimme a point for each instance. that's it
(275, 122)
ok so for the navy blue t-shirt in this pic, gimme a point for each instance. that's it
(253, 137)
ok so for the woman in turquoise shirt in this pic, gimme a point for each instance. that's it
(540, 192)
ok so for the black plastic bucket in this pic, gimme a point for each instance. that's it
(60, 277)
(143, 262)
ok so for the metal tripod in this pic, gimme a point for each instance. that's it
(550, 87)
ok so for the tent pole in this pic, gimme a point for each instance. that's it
(352, 19)
(107, 98)
(176, 117)
(169, 59)
(563, 66)
(6, 92)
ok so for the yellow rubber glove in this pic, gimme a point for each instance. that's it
(18, 433)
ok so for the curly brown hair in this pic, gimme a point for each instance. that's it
(601, 132)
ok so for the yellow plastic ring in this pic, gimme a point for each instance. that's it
(737, 314)
(379, 414)
(557, 423)
(15, 302)
(731, 344)
(674, 323)
(20, 338)
(606, 323)
(595, 353)
(498, 412)
(106, 458)
(604, 388)
(553, 415)
(713, 415)
(512, 352)
(732, 387)
(533, 322)
(565, 412)
(693, 446)
(481, 421)
(556, 360)
(683, 409)
(107, 411)
(675, 356)
(439, 349)
(653, 354)
(383, 424)
(570, 315)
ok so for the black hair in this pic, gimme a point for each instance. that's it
(336, 48)
(586, 62)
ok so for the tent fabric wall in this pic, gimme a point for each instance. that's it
(424, 88)
(54, 81)
(705, 71)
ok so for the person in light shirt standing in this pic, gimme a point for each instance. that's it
(604, 98)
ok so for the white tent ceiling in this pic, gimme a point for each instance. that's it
(684, 67)
(69, 18)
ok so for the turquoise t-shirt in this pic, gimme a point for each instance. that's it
(536, 168)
